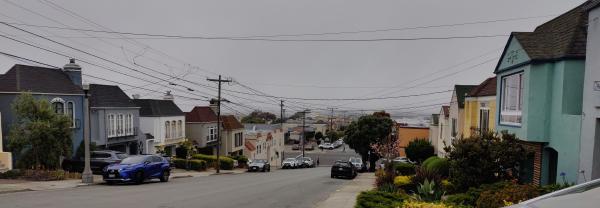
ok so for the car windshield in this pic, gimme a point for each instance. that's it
(133, 160)
(122, 155)
(259, 161)
(355, 160)
(342, 164)
(290, 160)
(307, 158)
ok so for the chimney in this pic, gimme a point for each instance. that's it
(213, 105)
(136, 96)
(168, 96)
(73, 70)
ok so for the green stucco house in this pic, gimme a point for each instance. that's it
(539, 92)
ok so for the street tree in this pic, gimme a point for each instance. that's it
(366, 132)
(39, 136)
(319, 135)
(259, 117)
(419, 150)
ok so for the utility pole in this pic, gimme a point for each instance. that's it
(331, 120)
(303, 129)
(219, 81)
(282, 121)
(87, 176)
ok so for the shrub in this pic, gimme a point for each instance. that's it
(460, 199)
(211, 160)
(383, 178)
(428, 191)
(242, 160)
(436, 164)
(419, 149)
(420, 204)
(402, 180)
(11, 174)
(49, 175)
(423, 174)
(484, 158)
(553, 187)
(404, 168)
(197, 164)
(184, 148)
(511, 193)
(179, 163)
(378, 199)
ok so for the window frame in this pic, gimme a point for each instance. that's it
(167, 129)
(505, 100)
(70, 107)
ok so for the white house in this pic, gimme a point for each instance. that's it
(264, 141)
(162, 123)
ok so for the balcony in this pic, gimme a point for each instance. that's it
(121, 133)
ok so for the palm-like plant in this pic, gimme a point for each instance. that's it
(427, 191)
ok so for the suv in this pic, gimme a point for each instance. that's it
(290, 163)
(357, 162)
(307, 162)
(98, 160)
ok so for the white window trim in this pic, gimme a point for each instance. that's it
(167, 129)
(507, 112)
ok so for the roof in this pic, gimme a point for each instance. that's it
(231, 123)
(109, 96)
(562, 37)
(446, 110)
(201, 114)
(461, 91)
(37, 80)
(151, 107)
(486, 88)
(592, 4)
(249, 146)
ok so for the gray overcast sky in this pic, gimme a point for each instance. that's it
(289, 69)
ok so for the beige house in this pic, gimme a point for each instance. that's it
(443, 131)
(5, 157)
(457, 110)
(264, 141)
(434, 131)
(232, 136)
(201, 129)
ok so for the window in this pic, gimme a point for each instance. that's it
(238, 139)
(59, 107)
(180, 128)
(71, 112)
(111, 125)
(454, 132)
(173, 129)
(120, 125)
(129, 124)
(167, 129)
(212, 134)
(484, 120)
(512, 99)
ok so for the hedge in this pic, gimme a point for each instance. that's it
(379, 199)
(211, 160)
(194, 164)
(404, 169)
(436, 164)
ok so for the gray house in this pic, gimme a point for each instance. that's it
(61, 87)
(114, 120)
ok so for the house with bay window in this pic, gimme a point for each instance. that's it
(114, 120)
(162, 125)
(232, 135)
(201, 129)
(61, 87)
(480, 108)
(540, 80)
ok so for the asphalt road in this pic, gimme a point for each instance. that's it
(278, 188)
(326, 157)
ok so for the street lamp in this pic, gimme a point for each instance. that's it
(87, 176)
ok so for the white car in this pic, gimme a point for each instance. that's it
(357, 162)
(326, 146)
(401, 160)
(290, 163)
(582, 195)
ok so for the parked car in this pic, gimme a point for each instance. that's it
(98, 160)
(582, 195)
(337, 143)
(343, 169)
(137, 169)
(358, 163)
(295, 147)
(326, 146)
(307, 162)
(309, 147)
(259, 165)
(290, 163)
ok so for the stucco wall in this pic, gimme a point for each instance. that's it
(198, 132)
(407, 134)
(472, 107)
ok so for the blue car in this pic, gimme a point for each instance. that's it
(137, 169)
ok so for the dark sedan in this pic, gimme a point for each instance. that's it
(259, 165)
(98, 160)
(343, 169)
(137, 169)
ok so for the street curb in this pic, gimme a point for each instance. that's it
(185, 176)
(15, 191)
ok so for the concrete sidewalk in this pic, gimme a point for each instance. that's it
(8, 186)
(345, 197)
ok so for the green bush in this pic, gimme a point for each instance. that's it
(404, 169)
(378, 199)
(509, 194)
(240, 158)
(436, 164)
(460, 199)
(423, 174)
(197, 164)
(211, 160)
(179, 163)
(11, 174)
(419, 149)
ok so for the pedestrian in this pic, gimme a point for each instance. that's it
(317, 161)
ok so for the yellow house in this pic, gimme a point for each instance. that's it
(480, 108)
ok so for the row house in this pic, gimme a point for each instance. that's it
(162, 124)
(540, 91)
(201, 129)
(457, 111)
(62, 88)
(434, 131)
(114, 120)
(443, 132)
(232, 137)
(480, 108)
(589, 164)
(5, 157)
(265, 141)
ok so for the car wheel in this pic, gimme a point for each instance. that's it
(269, 169)
(263, 170)
(165, 176)
(139, 177)
(332, 176)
